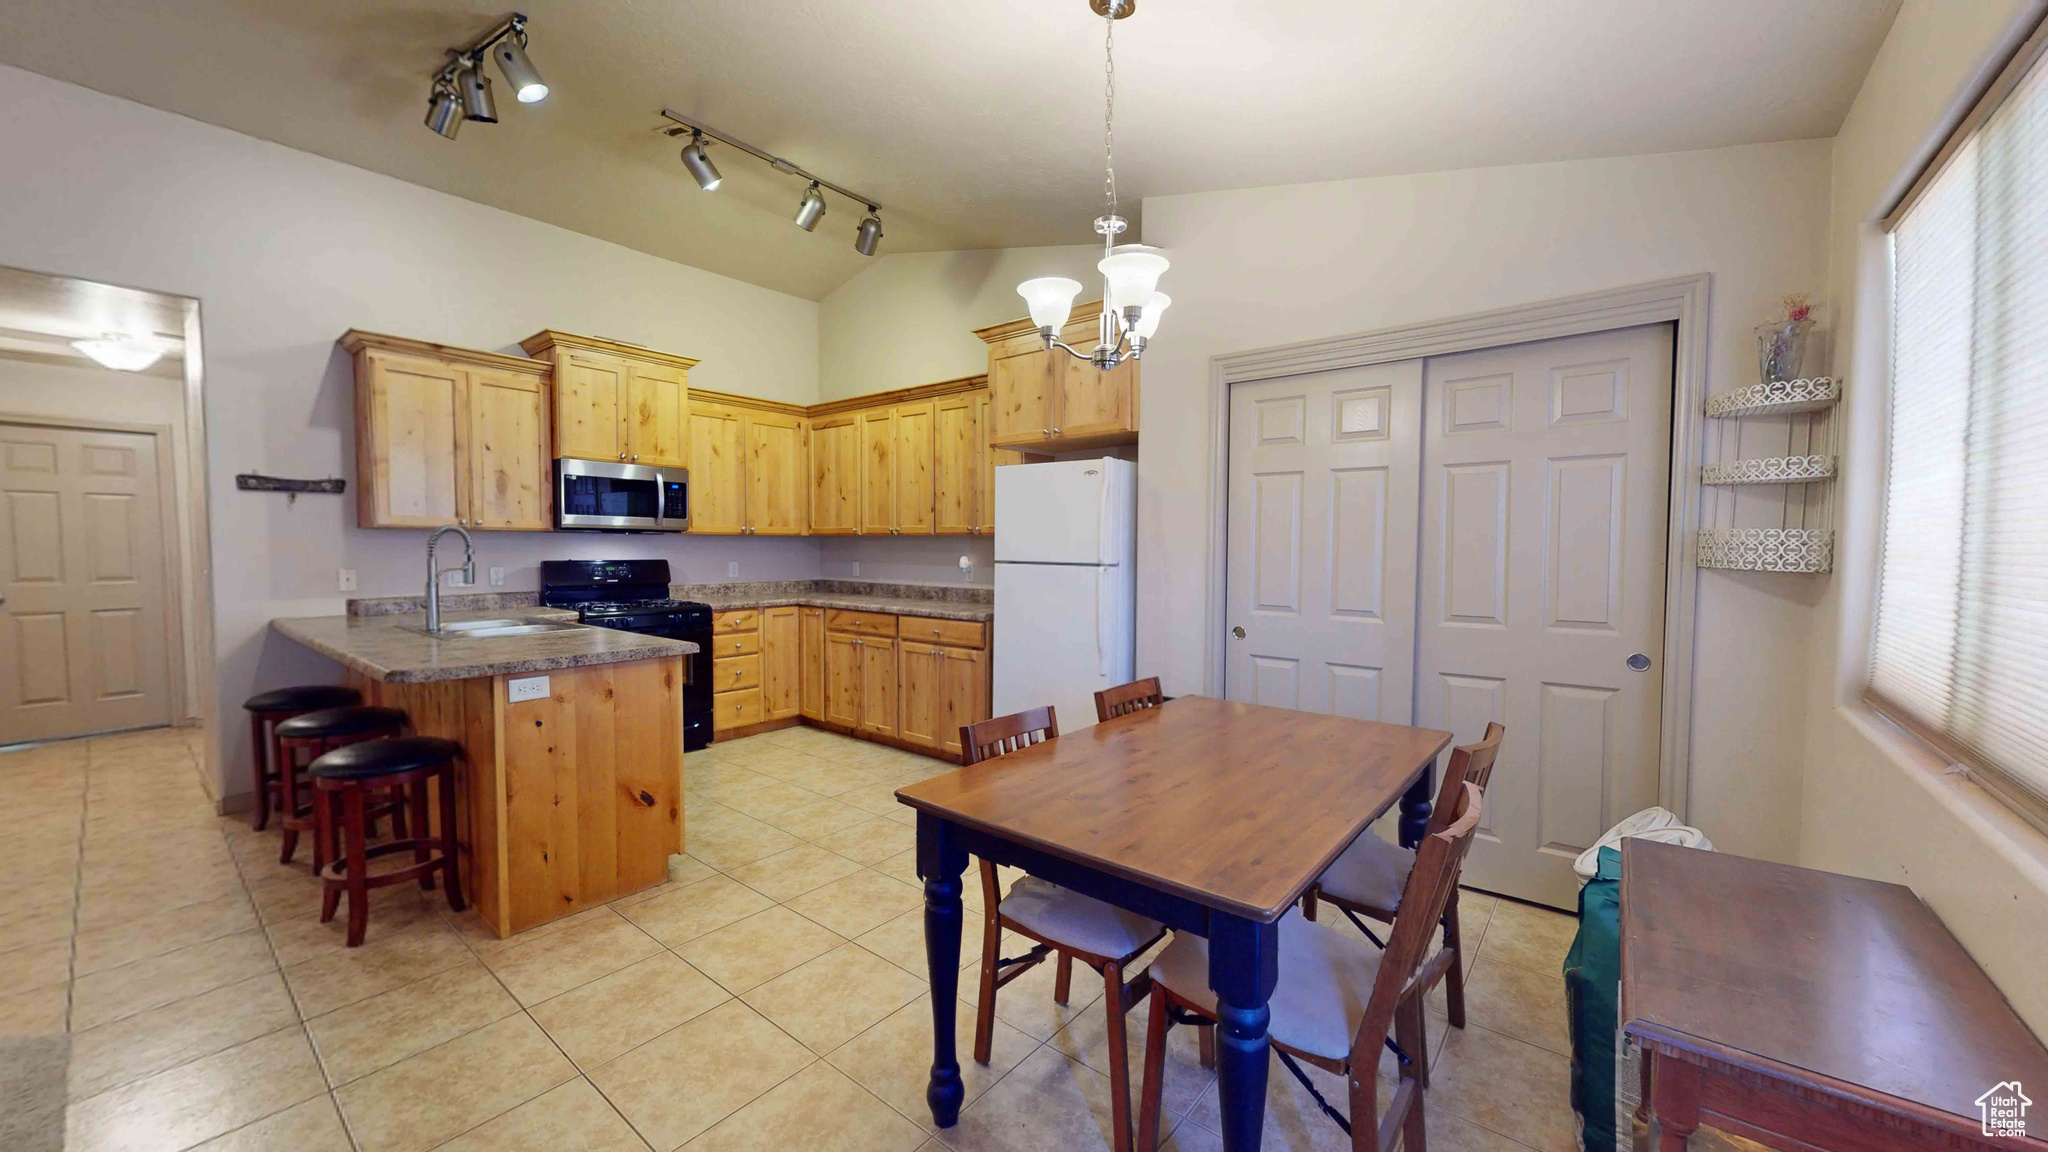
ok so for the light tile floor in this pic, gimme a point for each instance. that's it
(771, 996)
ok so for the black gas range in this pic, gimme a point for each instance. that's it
(632, 596)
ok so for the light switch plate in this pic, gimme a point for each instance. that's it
(526, 688)
(732, 568)
(348, 580)
(497, 575)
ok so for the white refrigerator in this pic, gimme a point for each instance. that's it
(1066, 584)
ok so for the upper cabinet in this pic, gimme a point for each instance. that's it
(449, 436)
(749, 470)
(835, 475)
(1046, 400)
(614, 401)
(914, 462)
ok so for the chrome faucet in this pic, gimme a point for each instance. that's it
(434, 574)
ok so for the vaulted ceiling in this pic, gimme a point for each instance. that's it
(976, 123)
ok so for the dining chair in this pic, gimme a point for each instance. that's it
(1113, 702)
(1335, 999)
(1056, 920)
(1366, 878)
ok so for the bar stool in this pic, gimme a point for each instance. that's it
(349, 776)
(318, 733)
(265, 710)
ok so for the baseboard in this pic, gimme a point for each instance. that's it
(720, 735)
(880, 738)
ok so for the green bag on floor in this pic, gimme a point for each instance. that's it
(1605, 1070)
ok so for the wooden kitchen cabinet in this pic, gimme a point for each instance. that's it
(777, 460)
(718, 480)
(877, 685)
(811, 642)
(781, 663)
(843, 679)
(617, 402)
(942, 681)
(878, 472)
(959, 457)
(449, 435)
(749, 460)
(835, 475)
(914, 470)
(1046, 399)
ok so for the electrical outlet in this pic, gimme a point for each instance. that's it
(348, 580)
(497, 575)
(455, 580)
(732, 568)
(526, 688)
(856, 568)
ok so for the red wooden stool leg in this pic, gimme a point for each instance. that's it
(258, 747)
(451, 878)
(288, 798)
(422, 851)
(358, 863)
(323, 804)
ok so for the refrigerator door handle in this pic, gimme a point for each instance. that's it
(1101, 648)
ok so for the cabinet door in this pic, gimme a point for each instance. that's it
(717, 470)
(842, 679)
(915, 482)
(411, 438)
(588, 388)
(835, 476)
(877, 471)
(775, 474)
(958, 452)
(918, 675)
(1087, 401)
(878, 686)
(811, 640)
(1019, 381)
(508, 452)
(961, 693)
(657, 416)
(781, 663)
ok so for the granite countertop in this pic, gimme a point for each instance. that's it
(940, 609)
(393, 648)
(941, 601)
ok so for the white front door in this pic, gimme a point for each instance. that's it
(1544, 502)
(1323, 472)
(83, 646)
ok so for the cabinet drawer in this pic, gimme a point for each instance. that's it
(953, 633)
(864, 623)
(736, 709)
(730, 672)
(724, 644)
(737, 620)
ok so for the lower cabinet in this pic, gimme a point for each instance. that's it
(943, 689)
(781, 663)
(811, 641)
(842, 679)
(877, 685)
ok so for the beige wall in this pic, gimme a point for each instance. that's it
(1876, 803)
(89, 392)
(285, 251)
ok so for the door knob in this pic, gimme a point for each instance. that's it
(1640, 662)
(1238, 631)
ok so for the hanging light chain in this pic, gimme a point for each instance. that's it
(1109, 105)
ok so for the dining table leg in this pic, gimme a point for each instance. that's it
(1243, 967)
(1415, 806)
(940, 863)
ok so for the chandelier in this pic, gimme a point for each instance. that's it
(1131, 301)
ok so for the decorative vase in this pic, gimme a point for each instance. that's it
(1781, 348)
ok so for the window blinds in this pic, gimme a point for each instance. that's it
(1961, 644)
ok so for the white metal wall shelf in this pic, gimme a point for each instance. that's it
(1771, 470)
(1768, 549)
(1778, 434)
(1776, 398)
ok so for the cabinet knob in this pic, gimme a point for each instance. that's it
(1045, 431)
(622, 455)
(738, 644)
(1054, 432)
(636, 455)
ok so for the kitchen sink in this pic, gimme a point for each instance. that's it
(481, 629)
(479, 625)
(520, 629)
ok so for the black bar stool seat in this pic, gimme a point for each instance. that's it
(399, 766)
(354, 720)
(318, 734)
(266, 710)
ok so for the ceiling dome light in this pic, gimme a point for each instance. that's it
(519, 71)
(475, 87)
(444, 111)
(700, 165)
(812, 209)
(869, 235)
(120, 352)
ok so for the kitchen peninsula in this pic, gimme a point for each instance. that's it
(568, 799)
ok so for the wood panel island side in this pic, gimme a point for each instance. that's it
(566, 801)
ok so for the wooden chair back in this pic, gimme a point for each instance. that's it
(1005, 734)
(1469, 764)
(1438, 860)
(1113, 702)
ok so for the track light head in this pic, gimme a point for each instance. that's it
(700, 165)
(869, 234)
(510, 53)
(475, 88)
(444, 110)
(812, 209)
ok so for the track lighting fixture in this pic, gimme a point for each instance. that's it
(809, 210)
(461, 90)
(812, 209)
(700, 165)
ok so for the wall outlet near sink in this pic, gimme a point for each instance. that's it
(497, 575)
(526, 688)
(732, 568)
(348, 580)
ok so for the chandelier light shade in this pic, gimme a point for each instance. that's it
(1131, 300)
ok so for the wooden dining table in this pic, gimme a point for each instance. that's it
(1210, 816)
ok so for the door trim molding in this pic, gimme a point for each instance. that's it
(1683, 299)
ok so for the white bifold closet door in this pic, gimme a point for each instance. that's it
(1517, 502)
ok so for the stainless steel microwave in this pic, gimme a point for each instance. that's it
(602, 496)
